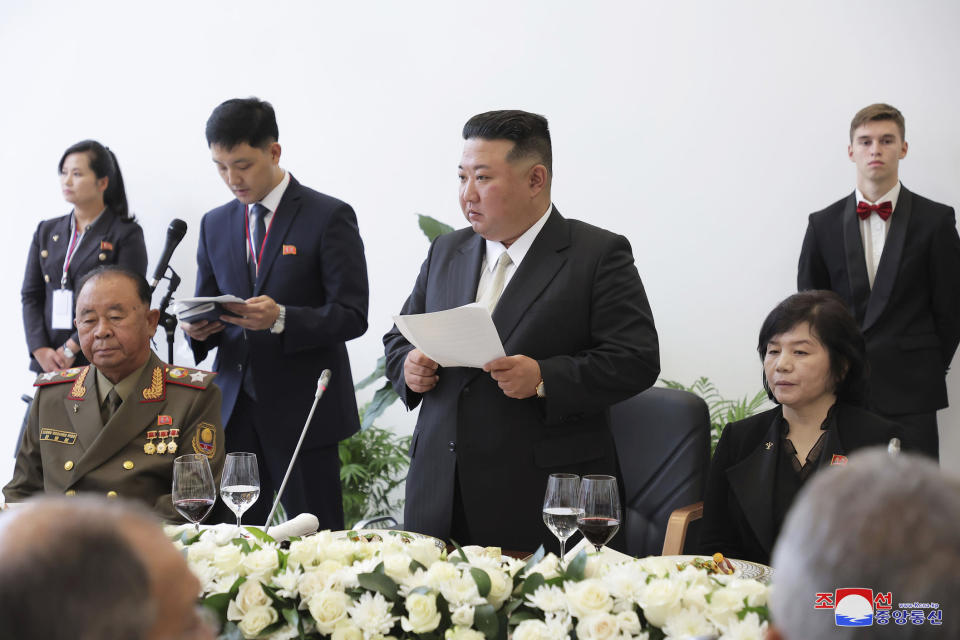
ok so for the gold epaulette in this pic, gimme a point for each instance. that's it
(186, 377)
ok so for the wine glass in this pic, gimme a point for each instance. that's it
(193, 489)
(240, 486)
(599, 517)
(560, 508)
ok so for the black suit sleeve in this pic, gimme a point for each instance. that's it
(343, 277)
(206, 287)
(718, 532)
(396, 347)
(812, 270)
(624, 358)
(33, 295)
(945, 277)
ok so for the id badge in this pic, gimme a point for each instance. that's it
(62, 316)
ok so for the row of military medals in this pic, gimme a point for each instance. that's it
(161, 447)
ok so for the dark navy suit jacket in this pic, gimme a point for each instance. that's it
(911, 318)
(313, 263)
(576, 305)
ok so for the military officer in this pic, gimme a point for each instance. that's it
(114, 427)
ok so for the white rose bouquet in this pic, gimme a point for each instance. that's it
(400, 588)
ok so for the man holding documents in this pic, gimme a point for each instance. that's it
(573, 318)
(295, 256)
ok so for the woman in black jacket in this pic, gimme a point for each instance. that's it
(99, 230)
(814, 368)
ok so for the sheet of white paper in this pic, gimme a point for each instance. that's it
(461, 337)
(189, 303)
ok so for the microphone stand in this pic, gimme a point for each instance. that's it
(169, 320)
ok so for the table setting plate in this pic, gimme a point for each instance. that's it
(742, 568)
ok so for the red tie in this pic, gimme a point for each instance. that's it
(884, 209)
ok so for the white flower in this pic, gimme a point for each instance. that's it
(755, 592)
(660, 598)
(286, 583)
(441, 572)
(658, 566)
(316, 578)
(548, 598)
(424, 551)
(463, 633)
(250, 595)
(629, 622)
(501, 586)
(531, 630)
(559, 626)
(460, 590)
(262, 562)
(223, 583)
(285, 632)
(228, 558)
(422, 615)
(397, 566)
(625, 581)
(206, 574)
(346, 630)
(686, 623)
(750, 628)
(303, 552)
(549, 567)
(372, 614)
(598, 626)
(462, 616)
(328, 607)
(588, 597)
(257, 619)
(202, 550)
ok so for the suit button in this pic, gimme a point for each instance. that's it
(46, 277)
(70, 492)
(44, 253)
(102, 257)
(68, 465)
(452, 445)
(111, 494)
(128, 464)
(240, 368)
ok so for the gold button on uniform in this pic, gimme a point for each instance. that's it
(128, 464)
(68, 465)
(102, 257)
(70, 492)
(44, 253)
(46, 277)
(111, 494)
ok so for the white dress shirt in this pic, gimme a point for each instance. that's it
(873, 231)
(516, 251)
(270, 202)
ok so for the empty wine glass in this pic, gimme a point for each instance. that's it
(193, 489)
(560, 509)
(599, 517)
(240, 486)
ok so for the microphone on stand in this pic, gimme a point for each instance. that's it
(321, 387)
(175, 233)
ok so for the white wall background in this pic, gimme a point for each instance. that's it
(704, 131)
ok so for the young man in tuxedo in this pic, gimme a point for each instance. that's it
(894, 257)
(295, 256)
(573, 317)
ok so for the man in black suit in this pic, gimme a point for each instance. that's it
(296, 257)
(570, 310)
(894, 257)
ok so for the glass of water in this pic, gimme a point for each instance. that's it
(240, 485)
(560, 507)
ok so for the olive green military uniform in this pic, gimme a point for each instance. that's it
(67, 448)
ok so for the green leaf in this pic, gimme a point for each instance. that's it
(485, 620)
(292, 616)
(217, 603)
(416, 566)
(259, 534)
(533, 582)
(382, 398)
(463, 556)
(379, 582)
(432, 227)
(533, 561)
(577, 567)
(520, 616)
(482, 579)
(231, 632)
(244, 545)
(379, 372)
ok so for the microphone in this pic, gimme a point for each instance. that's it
(321, 387)
(175, 233)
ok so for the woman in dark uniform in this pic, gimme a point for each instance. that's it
(99, 230)
(814, 368)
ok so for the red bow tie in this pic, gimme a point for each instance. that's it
(884, 209)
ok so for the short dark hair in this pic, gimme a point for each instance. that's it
(103, 163)
(141, 284)
(529, 132)
(878, 111)
(242, 120)
(834, 326)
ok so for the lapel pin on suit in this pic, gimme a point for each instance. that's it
(768, 446)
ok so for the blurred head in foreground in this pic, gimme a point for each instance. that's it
(885, 523)
(85, 569)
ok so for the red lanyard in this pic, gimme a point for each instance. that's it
(70, 251)
(246, 228)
